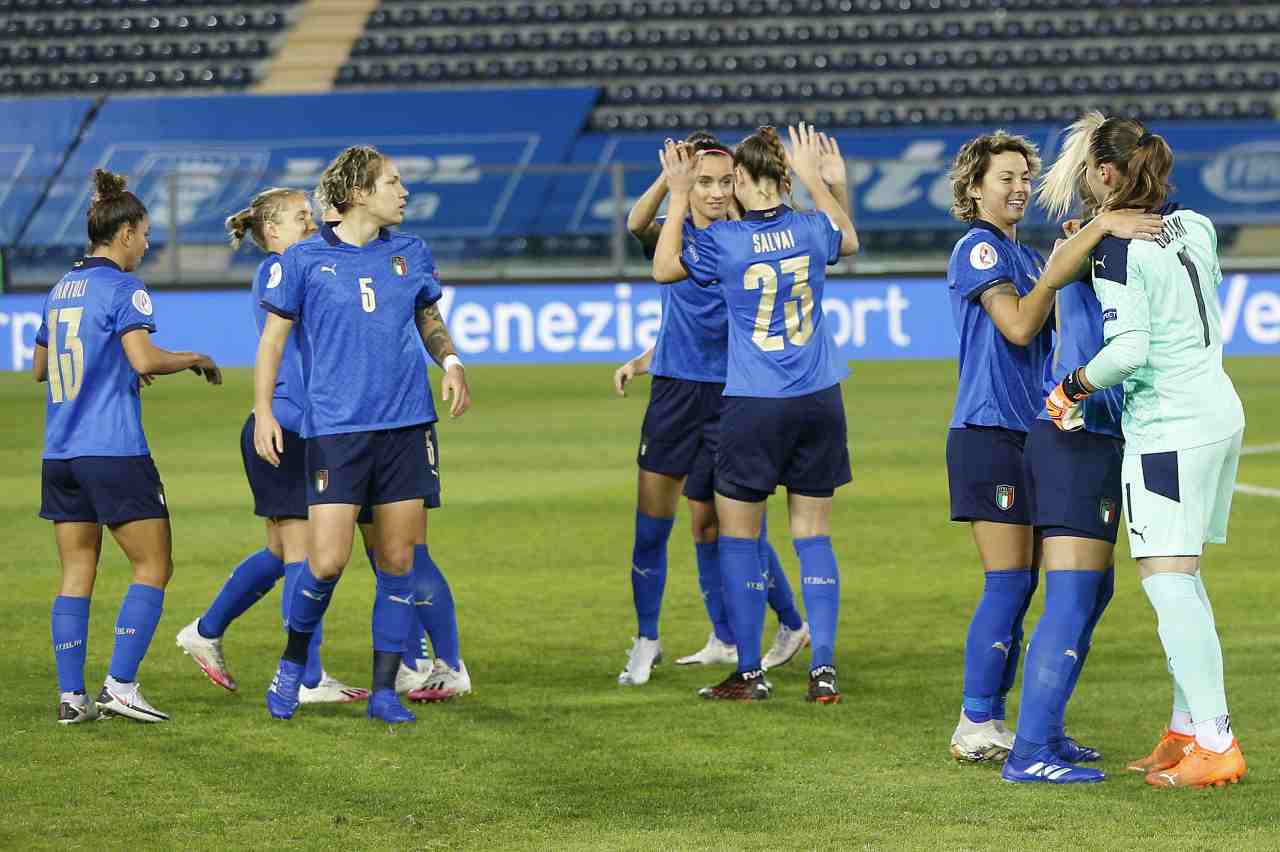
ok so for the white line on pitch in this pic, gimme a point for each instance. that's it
(1259, 449)
(1257, 490)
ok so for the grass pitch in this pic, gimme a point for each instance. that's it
(550, 753)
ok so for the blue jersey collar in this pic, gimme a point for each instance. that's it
(989, 226)
(94, 262)
(326, 231)
(1169, 207)
(771, 213)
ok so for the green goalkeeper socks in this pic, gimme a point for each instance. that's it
(1186, 629)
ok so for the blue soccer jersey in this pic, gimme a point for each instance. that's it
(771, 268)
(1077, 338)
(693, 340)
(93, 406)
(1001, 384)
(363, 361)
(290, 393)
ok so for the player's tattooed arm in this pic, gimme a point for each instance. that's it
(1019, 318)
(435, 334)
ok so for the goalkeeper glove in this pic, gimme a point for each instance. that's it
(1063, 403)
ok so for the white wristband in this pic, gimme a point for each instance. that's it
(451, 360)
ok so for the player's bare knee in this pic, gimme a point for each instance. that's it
(396, 558)
(155, 573)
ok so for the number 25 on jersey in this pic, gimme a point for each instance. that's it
(797, 311)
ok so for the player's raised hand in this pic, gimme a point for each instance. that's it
(680, 166)
(831, 167)
(454, 390)
(1071, 227)
(1132, 224)
(1063, 403)
(805, 155)
(268, 438)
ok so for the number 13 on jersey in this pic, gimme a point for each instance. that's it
(797, 311)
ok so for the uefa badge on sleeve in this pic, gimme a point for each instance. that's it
(1107, 509)
(1004, 497)
(399, 266)
(322, 481)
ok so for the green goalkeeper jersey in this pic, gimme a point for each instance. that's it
(1181, 397)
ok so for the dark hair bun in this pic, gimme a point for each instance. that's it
(107, 185)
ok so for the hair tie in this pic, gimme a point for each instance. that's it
(1144, 139)
(718, 149)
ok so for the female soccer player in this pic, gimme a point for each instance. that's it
(93, 346)
(1183, 426)
(681, 432)
(275, 219)
(364, 300)
(782, 421)
(1074, 488)
(1001, 294)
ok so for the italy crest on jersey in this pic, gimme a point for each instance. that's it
(1004, 497)
(401, 268)
(1107, 510)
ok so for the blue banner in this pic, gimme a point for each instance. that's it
(898, 178)
(34, 137)
(870, 318)
(468, 158)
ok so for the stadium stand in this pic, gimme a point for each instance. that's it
(99, 46)
(671, 64)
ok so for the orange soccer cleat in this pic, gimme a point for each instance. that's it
(1172, 747)
(1202, 768)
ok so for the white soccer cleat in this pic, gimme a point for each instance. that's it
(643, 656)
(1004, 736)
(786, 645)
(408, 679)
(74, 709)
(714, 653)
(444, 683)
(208, 655)
(975, 742)
(330, 690)
(125, 699)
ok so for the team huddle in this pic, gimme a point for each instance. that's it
(1091, 393)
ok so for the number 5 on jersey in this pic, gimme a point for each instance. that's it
(797, 311)
(368, 300)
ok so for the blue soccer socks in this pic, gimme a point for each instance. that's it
(712, 586)
(1106, 590)
(649, 571)
(433, 603)
(745, 595)
(1071, 598)
(996, 622)
(392, 611)
(135, 625)
(70, 625)
(820, 585)
(249, 581)
(781, 599)
(310, 599)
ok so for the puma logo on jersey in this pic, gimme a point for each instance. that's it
(1100, 263)
(1142, 533)
(332, 270)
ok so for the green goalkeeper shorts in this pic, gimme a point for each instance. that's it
(1178, 501)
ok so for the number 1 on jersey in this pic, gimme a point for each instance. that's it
(1195, 288)
(368, 300)
(797, 312)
